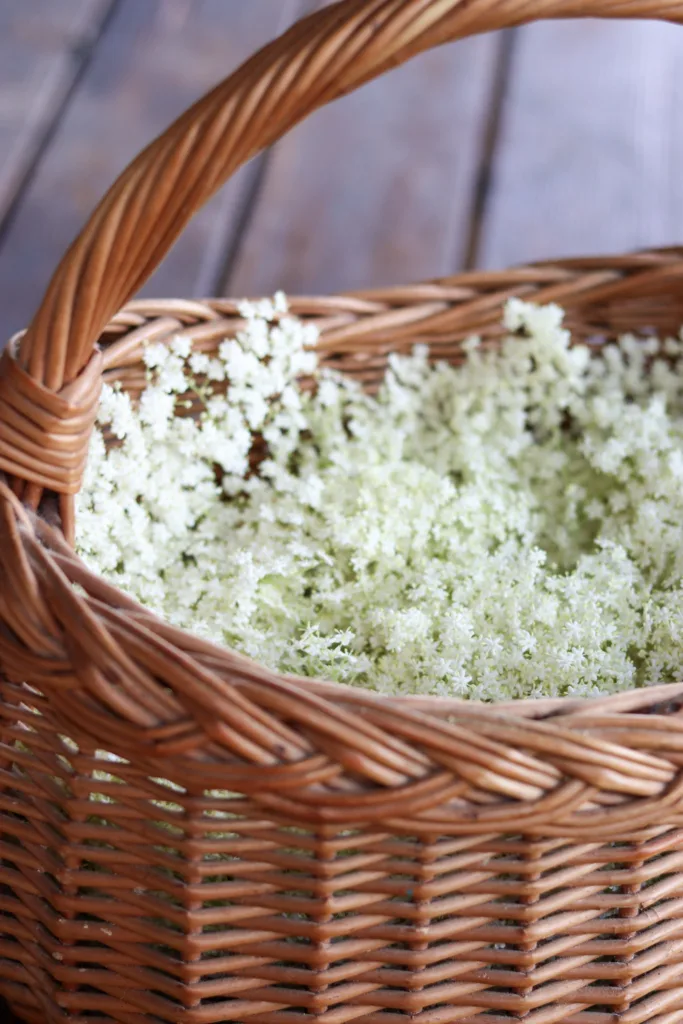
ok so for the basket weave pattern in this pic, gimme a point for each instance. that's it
(278, 850)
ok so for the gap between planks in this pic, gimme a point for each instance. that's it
(154, 59)
(45, 46)
(378, 187)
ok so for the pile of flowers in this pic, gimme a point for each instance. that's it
(508, 528)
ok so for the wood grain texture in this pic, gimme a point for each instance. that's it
(42, 47)
(154, 60)
(377, 188)
(591, 143)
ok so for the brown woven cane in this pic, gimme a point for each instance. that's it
(276, 850)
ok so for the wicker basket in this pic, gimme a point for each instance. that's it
(376, 859)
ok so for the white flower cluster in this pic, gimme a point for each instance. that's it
(508, 528)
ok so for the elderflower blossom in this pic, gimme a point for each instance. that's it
(505, 529)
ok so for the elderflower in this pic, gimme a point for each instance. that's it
(509, 528)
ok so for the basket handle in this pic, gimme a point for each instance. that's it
(49, 384)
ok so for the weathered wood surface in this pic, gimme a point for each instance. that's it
(553, 139)
(380, 186)
(589, 153)
(154, 59)
(43, 46)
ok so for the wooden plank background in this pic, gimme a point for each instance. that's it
(553, 139)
